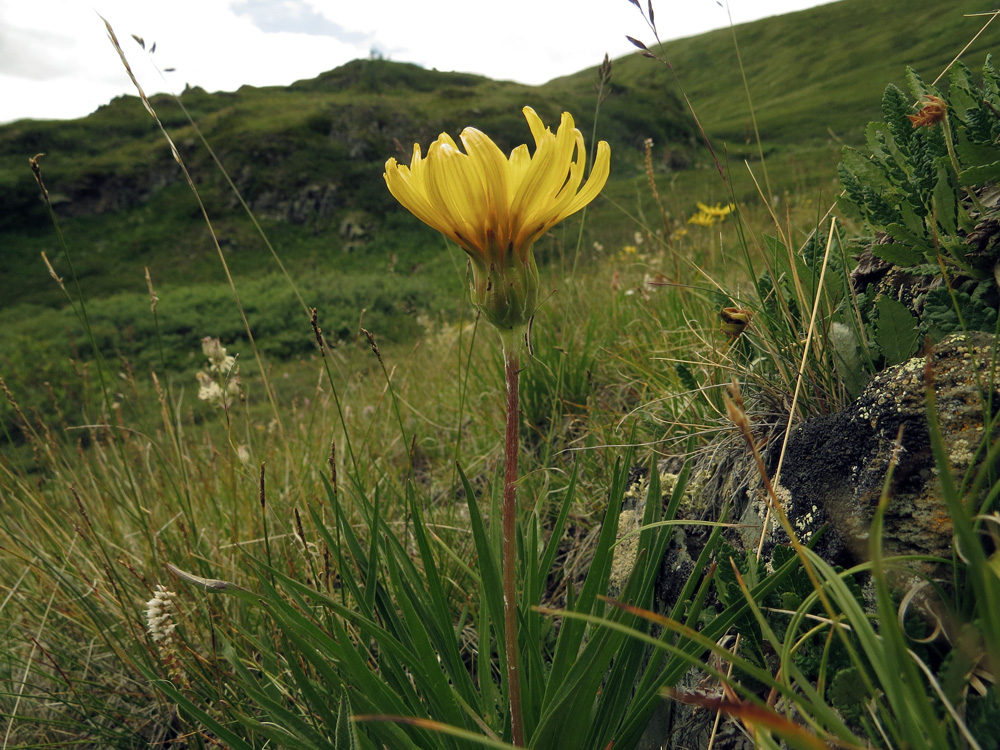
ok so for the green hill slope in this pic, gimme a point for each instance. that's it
(814, 71)
(308, 157)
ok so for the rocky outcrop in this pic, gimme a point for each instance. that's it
(833, 475)
(101, 192)
(366, 130)
(308, 203)
(835, 467)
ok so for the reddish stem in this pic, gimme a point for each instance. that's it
(512, 369)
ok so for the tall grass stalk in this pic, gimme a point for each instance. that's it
(208, 222)
(602, 90)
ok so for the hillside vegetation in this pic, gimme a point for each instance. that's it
(308, 157)
(814, 74)
(269, 479)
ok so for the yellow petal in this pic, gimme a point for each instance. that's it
(489, 162)
(544, 176)
(456, 191)
(572, 203)
(538, 129)
(572, 181)
(410, 194)
(595, 183)
(518, 164)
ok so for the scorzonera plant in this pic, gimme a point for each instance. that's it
(495, 208)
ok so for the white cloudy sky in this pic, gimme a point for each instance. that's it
(56, 61)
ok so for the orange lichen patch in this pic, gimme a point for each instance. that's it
(940, 520)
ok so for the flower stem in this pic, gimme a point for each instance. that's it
(512, 369)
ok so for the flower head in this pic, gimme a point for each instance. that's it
(211, 391)
(934, 111)
(216, 355)
(160, 614)
(708, 215)
(495, 207)
(702, 219)
(734, 320)
(718, 210)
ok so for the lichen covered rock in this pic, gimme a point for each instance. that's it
(678, 564)
(835, 467)
(832, 478)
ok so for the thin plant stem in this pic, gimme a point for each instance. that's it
(215, 240)
(512, 371)
(602, 88)
(753, 112)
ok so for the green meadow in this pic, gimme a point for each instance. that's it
(294, 541)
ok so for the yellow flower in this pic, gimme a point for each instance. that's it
(717, 210)
(495, 207)
(708, 215)
(702, 219)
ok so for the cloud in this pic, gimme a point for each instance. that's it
(296, 17)
(60, 46)
(531, 41)
(31, 51)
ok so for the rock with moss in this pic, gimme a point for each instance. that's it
(836, 467)
(673, 724)
(833, 474)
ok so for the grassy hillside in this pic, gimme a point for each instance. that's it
(308, 158)
(813, 75)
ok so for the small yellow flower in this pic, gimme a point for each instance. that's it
(495, 207)
(627, 252)
(708, 215)
(702, 219)
(718, 210)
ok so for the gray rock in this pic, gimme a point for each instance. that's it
(835, 467)
(307, 204)
(832, 478)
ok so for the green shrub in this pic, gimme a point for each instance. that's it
(925, 187)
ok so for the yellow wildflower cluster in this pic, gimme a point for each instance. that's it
(708, 215)
(627, 252)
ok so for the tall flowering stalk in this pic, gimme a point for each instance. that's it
(161, 612)
(495, 207)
